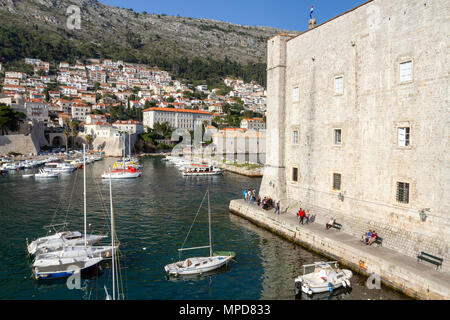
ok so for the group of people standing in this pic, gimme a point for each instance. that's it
(267, 203)
(304, 216)
(250, 195)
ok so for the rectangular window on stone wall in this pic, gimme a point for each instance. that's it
(336, 181)
(295, 95)
(295, 174)
(403, 137)
(339, 85)
(402, 195)
(337, 137)
(295, 137)
(406, 71)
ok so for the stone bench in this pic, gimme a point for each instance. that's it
(430, 258)
(337, 226)
(379, 241)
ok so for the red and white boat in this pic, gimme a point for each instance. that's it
(129, 173)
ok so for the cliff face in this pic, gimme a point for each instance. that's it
(157, 34)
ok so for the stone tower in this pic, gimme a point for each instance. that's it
(274, 182)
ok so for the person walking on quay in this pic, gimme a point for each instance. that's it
(277, 208)
(307, 216)
(302, 216)
(298, 215)
(245, 194)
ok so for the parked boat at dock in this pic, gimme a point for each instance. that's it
(324, 276)
(46, 175)
(58, 167)
(202, 170)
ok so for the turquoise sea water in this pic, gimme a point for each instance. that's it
(153, 215)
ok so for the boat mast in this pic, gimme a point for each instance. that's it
(112, 238)
(209, 220)
(129, 145)
(84, 193)
(124, 149)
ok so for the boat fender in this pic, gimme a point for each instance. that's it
(344, 284)
(348, 282)
(298, 284)
(310, 292)
(330, 286)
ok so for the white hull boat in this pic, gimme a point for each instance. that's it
(197, 265)
(46, 175)
(60, 240)
(62, 268)
(122, 174)
(77, 252)
(325, 277)
(200, 265)
(59, 168)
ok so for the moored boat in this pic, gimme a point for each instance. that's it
(129, 173)
(46, 175)
(200, 265)
(202, 170)
(62, 268)
(324, 276)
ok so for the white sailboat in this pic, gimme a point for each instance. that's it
(58, 264)
(115, 272)
(64, 267)
(62, 239)
(200, 265)
(124, 170)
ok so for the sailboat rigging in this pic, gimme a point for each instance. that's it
(200, 265)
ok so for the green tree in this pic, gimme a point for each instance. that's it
(89, 139)
(10, 119)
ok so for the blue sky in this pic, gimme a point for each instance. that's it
(282, 14)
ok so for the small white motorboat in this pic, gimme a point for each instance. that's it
(46, 175)
(325, 276)
(28, 175)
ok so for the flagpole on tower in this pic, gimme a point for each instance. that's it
(312, 21)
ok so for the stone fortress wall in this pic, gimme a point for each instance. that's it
(365, 47)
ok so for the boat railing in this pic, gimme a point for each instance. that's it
(313, 265)
(195, 248)
(54, 226)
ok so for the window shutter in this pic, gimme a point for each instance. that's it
(406, 71)
(402, 137)
(295, 94)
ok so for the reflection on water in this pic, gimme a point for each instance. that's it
(153, 215)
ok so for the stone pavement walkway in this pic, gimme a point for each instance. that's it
(395, 268)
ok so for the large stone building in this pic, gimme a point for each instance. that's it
(177, 118)
(358, 123)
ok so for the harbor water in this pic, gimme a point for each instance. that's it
(153, 215)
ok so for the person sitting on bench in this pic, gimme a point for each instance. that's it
(330, 223)
(372, 238)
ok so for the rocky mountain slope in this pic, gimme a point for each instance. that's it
(154, 35)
